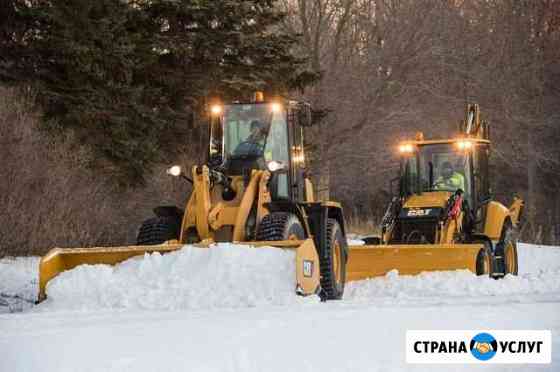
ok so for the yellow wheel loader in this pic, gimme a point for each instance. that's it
(444, 217)
(253, 189)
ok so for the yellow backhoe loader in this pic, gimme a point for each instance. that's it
(444, 217)
(253, 189)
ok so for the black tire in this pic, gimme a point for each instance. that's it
(372, 240)
(191, 236)
(484, 261)
(507, 249)
(333, 263)
(280, 226)
(158, 230)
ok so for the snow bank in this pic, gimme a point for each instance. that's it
(235, 276)
(537, 258)
(224, 276)
(365, 332)
(538, 280)
(18, 283)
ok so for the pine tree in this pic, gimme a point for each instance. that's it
(124, 77)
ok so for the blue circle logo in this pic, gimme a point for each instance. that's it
(483, 346)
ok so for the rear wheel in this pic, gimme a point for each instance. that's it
(484, 261)
(333, 263)
(507, 248)
(280, 226)
(158, 230)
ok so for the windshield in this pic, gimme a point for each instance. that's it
(440, 167)
(252, 132)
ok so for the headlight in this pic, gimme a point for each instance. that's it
(406, 148)
(464, 144)
(273, 166)
(275, 107)
(175, 171)
(216, 109)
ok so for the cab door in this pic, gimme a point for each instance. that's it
(481, 185)
(298, 115)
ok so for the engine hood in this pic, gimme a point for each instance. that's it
(434, 199)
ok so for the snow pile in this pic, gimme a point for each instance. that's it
(537, 258)
(539, 279)
(364, 332)
(224, 276)
(18, 283)
(235, 276)
(354, 239)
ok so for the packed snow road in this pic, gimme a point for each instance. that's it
(228, 309)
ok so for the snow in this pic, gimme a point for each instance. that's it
(194, 278)
(232, 308)
(354, 239)
(536, 258)
(18, 283)
(538, 280)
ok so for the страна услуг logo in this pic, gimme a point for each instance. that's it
(483, 346)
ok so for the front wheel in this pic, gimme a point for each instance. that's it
(158, 230)
(333, 262)
(280, 226)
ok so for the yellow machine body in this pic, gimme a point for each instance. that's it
(448, 249)
(217, 219)
(210, 215)
(368, 261)
(210, 218)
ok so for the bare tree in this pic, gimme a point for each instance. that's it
(391, 68)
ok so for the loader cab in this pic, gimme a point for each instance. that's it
(445, 166)
(262, 136)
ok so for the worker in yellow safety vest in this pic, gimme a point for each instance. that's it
(449, 180)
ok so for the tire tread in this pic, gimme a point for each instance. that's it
(157, 230)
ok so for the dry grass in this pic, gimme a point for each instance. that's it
(361, 225)
(48, 198)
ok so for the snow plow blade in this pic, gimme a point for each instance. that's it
(367, 261)
(59, 260)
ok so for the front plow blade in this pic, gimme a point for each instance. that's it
(307, 263)
(367, 261)
(62, 259)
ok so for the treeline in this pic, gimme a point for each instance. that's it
(99, 94)
(394, 67)
(125, 78)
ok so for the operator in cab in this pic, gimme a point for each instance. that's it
(254, 143)
(449, 179)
